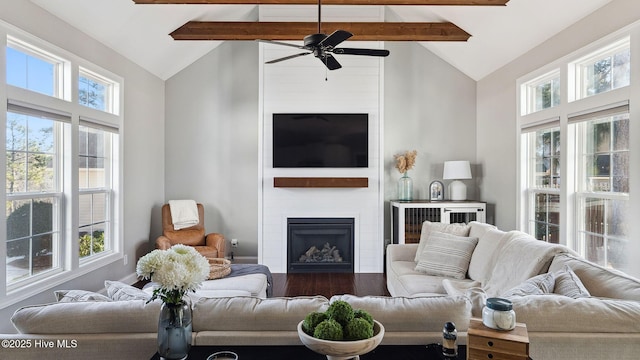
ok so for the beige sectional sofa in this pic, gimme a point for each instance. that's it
(605, 324)
(127, 329)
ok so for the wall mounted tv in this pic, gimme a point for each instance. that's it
(320, 140)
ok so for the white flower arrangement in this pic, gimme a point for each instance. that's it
(177, 270)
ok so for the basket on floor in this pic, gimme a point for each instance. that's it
(219, 268)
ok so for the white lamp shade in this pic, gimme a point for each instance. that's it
(456, 170)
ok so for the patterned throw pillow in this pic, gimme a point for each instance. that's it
(428, 227)
(78, 295)
(446, 255)
(537, 285)
(569, 284)
(119, 291)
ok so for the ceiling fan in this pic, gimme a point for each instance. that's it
(322, 46)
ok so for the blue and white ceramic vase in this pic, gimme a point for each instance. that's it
(174, 331)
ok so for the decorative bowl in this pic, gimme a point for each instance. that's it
(342, 350)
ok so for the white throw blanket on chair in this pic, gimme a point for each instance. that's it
(184, 213)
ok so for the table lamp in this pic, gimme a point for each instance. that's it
(456, 171)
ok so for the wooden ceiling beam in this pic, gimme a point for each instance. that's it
(363, 31)
(332, 2)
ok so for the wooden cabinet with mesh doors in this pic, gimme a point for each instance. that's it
(407, 216)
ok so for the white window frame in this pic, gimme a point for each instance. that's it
(60, 65)
(578, 66)
(529, 91)
(530, 188)
(71, 266)
(107, 189)
(569, 107)
(111, 89)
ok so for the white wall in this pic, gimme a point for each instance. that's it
(143, 137)
(212, 127)
(212, 141)
(497, 133)
(299, 86)
(429, 106)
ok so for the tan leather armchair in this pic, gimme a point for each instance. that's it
(212, 245)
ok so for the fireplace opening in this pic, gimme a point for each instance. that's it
(320, 245)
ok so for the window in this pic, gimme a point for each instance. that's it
(34, 69)
(58, 225)
(575, 160)
(604, 70)
(96, 91)
(603, 187)
(95, 184)
(543, 182)
(33, 194)
(541, 93)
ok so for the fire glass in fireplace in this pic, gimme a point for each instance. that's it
(320, 245)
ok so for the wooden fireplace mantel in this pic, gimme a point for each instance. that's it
(320, 182)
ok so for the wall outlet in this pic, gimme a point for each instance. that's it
(234, 243)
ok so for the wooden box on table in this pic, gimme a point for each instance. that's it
(486, 343)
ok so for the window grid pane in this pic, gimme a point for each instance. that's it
(542, 93)
(605, 71)
(606, 155)
(604, 232)
(32, 237)
(93, 231)
(31, 158)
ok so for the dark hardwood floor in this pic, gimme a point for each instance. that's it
(329, 284)
(325, 284)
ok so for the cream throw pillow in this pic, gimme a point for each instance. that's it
(78, 295)
(428, 227)
(446, 255)
(119, 291)
(569, 284)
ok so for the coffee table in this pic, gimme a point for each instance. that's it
(383, 352)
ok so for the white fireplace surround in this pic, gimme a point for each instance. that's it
(299, 86)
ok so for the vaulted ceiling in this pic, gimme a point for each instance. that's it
(475, 36)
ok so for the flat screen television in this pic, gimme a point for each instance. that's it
(320, 140)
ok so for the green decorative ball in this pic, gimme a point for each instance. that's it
(358, 329)
(328, 330)
(364, 315)
(340, 311)
(312, 320)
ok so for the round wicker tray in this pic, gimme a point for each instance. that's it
(219, 268)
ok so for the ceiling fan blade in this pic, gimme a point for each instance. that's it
(366, 52)
(282, 43)
(334, 39)
(330, 62)
(286, 58)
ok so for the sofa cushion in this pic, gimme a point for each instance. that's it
(598, 280)
(521, 257)
(88, 317)
(569, 284)
(562, 314)
(406, 314)
(484, 255)
(446, 255)
(428, 227)
(253, 313)
(119, 291)
(537, 285)
(479, 229)
(79, 295)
